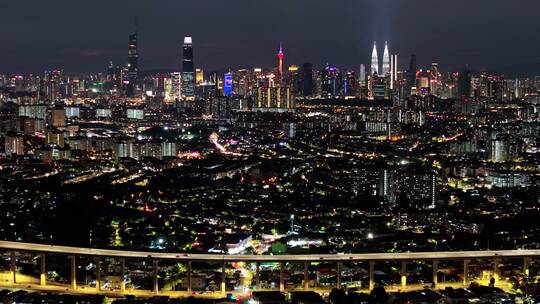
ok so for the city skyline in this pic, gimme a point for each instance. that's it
(257, 152)
(488, 41)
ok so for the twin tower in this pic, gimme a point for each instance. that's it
(386, 68)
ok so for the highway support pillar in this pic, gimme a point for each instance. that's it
(526, 266)
(282, 276)
(123, 275)
(258, 276)
(13, 267)
(403, 273)
(338, 275)
(98, 274)
(155, 276)
(465, 272)
(73, 263)
(496, 271)
(42, 270)
(371, 275)
(435, 280)
(223, 278)
(306, 276)
(189, 275)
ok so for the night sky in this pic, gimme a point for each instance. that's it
(81, 36)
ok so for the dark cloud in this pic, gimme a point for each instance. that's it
(85, 35)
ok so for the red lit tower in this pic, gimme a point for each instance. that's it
(280, 56)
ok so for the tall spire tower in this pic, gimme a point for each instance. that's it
(280, 56)
(133, 65)
(374, 60)
(386, 60)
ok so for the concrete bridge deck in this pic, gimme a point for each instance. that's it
(495, 257)
(407, 256)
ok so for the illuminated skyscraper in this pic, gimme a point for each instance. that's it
(350, 87)
(434, 82)
(227, 84)
(386, 60)
(293, 79)
(188, 71)
(393, 71)
(362, 75)
(280, 56)
(274, 99)
(199, 76)
(374, 60)
(176, 84)
(51, 85)
(331, 82)
(133, 65)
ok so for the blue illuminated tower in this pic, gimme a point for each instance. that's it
(227, 84)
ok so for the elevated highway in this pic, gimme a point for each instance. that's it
(494, 257)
